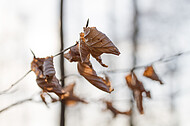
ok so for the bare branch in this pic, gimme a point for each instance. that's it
(8, 89)
(161, 60)
(17, 103)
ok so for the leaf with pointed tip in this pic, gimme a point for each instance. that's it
(90, 74)
(43, 99)
(98, 42)
(99, 59)
(115, 111)
(150, 73)
(139, 100)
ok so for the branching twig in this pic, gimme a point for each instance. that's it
(5, 91)
(65, 50)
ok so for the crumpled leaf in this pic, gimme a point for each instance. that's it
(115, 111)
(137, 87)
(48, 68)
(99, 59)
(45, 76)
(52, 86)
(150, 73)
(90, 74)
(37, 66)
(98, 42)
(72, 99)
(85, 52)
(73, 55)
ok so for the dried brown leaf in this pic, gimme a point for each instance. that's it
(43, 99)
(137, 87)
(52, 86)
(84, 51)
(45, 76)
(90, 74)
(139, 100)
(115, 111)
(73, 54)
(99, 59)
(150, 73)
(98, 42)
(37, 66)
(48, 67)
(72, 99)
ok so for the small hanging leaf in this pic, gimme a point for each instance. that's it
(139, 100)
(43, 99)
(72, 99)
(98, 43)
(73, 55)
(137, 87)
(150, 73)
(90, 74)
(115, 111)
(45, 76)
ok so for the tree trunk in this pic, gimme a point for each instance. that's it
(62, 120)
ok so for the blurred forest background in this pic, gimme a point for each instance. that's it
(143, 31)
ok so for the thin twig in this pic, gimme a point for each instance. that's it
(5, 91)
(161, 60)
(65, 50)
(33, 53)
(87, 23)
(17, 103)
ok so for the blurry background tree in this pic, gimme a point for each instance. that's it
(163, 31)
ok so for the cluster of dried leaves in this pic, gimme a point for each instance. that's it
(48, 82)
(137, 86)
(95, 43)
(91, 43)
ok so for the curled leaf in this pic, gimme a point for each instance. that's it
(150, 73)
(72, 99)
(115, 111)
(84, 51)
(37, 66)
(73, 55)
(99, 59)
(98, 42)
(45, 76)
(52, 86)
(137, 87)
(48, 67)
(90, 74)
